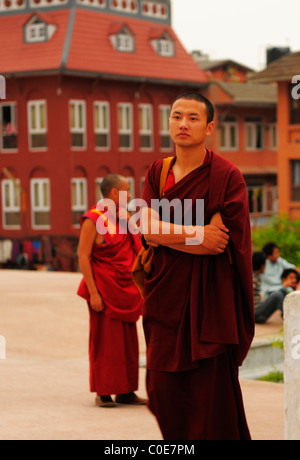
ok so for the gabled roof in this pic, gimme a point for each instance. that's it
(81, 46)
(248, 94)
(282, 69)
(212, 64)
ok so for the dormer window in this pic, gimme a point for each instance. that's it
(122, 39)
(37, 30)
(163, 44)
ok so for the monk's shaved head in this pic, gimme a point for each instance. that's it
(111, 181)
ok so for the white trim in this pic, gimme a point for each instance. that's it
(77, 129)
(101, 128)
(42, 206)
(38, 129)
(145, 114)
(125, 129)
(15, 207)
(13, 107)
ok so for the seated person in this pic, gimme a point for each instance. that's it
(274, 301)
(275, 265)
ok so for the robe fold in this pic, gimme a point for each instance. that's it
(201, 307)
(113, 343)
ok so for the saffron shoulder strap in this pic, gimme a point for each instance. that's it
(164, 175)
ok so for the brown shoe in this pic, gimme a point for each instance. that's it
(130, 398)
(105, 401)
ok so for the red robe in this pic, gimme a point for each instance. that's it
(198, 308)
(113, 346)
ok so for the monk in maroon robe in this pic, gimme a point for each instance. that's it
(198, 309)
(106, 256)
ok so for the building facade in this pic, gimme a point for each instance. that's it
(284, 72)
(88, 92)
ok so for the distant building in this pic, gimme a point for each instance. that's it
(246, 129)
(286, 73)
(88, 90)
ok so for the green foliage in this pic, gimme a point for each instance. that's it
(273, 376)
(282, 231)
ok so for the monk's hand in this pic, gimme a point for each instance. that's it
(215, 238)
(96, 302)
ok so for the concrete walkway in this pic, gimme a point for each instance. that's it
(44, 389)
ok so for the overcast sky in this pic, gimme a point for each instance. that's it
(237, 29)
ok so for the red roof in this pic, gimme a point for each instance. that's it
(81, 44)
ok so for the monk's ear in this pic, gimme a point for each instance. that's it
(210, 128)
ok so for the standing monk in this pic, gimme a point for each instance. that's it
(114, 302)
(198, 308)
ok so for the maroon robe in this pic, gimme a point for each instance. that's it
(113, 344)
(199, 309)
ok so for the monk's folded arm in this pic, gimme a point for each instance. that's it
(164, 233)
(208, 240)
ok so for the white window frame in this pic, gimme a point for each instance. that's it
(227, 126)
(80, 184)
(164, 115)
(42, 206)
(123, 128)
(273, 136)
(254, 126)
(13, 108)
(125, 42)
(146, 125)
(14, 191)
(99, 195)
(166, 47)
(103, 125)
(38, 129)
(77, 129)
(36, 32)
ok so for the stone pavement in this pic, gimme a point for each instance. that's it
(44, 390)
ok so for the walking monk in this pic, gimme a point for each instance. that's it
(198, 310)
(114, 302)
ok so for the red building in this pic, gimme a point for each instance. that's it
(88, 90)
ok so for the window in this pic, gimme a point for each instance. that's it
(145, 126)
(125, 41)
(79, 200)
(124, 5)
(254, 134)
(77, 124)
(36, 31)
(273, 136)
(40, 203)
(295, 192)
(165, 139)
(101, 125)
(125, 126)
(99, 195)
(229, 134)
(11, 206)
(37, 125)
(9, 130)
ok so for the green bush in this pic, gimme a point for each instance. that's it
(282, 231)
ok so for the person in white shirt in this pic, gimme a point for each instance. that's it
(275, 265)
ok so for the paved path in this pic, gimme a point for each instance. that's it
(44, 392)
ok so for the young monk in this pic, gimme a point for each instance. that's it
(106, 257)
(198, 309)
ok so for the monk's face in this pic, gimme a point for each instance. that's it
(188, 123)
